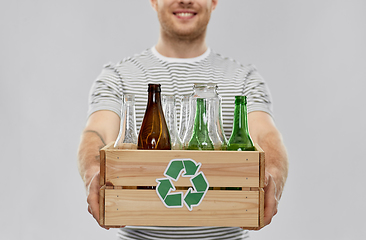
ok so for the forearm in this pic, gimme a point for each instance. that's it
(88, 154)
(276, 161)
(264, 132)
(102, 127)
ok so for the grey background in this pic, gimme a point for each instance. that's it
(312, 54)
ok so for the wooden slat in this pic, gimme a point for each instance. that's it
(218, 208)
(143, 167)
(102, 205)
(261, 165)
(261, 212)
(102, 154)
(102, 166)
(261, 208)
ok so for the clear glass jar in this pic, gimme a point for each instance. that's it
(214, 115)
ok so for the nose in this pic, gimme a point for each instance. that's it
(186, 2)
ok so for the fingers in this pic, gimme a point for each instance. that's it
(89, 210)
(270, 199)
(93, 208)
(93, 184)
(93, 198)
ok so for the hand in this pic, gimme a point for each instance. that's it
(272, 195)
(93, 197)
(271, 198)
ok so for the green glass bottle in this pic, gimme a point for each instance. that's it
(200, 139)
(240, 139)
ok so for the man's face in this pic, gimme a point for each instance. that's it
(184, 19)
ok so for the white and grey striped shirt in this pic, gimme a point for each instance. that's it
(177, 76)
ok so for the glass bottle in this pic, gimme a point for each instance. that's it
(154, 133)
(214, 115)
(184, 116)
(198, 91)
(200, 139)
(171, 121)
(127, 137)
(240, 139)
(215, 127)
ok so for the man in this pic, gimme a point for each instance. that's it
(179, 59)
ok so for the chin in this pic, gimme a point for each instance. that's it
(189, 33)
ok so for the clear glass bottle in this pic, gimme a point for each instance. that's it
(215, 127)
(200, 139)
(127, 137)
(184, 116)
(170, 114)
(214, 115)
(240, 139)
(154, 133)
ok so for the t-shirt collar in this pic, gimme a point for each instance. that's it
(185, 60)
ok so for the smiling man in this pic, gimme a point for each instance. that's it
(183, 27)
(178, 60)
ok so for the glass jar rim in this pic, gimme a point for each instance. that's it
(205, 85)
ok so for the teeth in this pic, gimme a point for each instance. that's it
(185, 14)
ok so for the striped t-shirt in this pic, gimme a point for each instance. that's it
(177, 77)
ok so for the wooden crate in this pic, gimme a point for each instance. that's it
(122, 204)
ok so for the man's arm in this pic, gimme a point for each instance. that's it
(102, 127)
(264, 132)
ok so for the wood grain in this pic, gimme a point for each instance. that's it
(218, 208)
(102, 205)
(121, 203)
(261, 165)
(143, 167)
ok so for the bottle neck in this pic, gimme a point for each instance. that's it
(240, 118)
(171, 116)
(184, 116)
(154, 98)
(205, 90)
(129, 114)
(200, 123)
(204, 93)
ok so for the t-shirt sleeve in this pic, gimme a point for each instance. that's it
(257, 92)
(106, 91)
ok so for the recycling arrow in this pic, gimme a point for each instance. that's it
(187, 168)
(193, 198)
(176, 166)
(163, 189)
(164, 186)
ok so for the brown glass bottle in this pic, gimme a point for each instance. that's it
(154, 133)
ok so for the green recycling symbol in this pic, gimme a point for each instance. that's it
(194, 196)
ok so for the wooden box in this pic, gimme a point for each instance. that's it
(200, 198)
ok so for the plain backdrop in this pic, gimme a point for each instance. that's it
(311, 53)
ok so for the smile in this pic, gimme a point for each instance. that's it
(185, 14)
